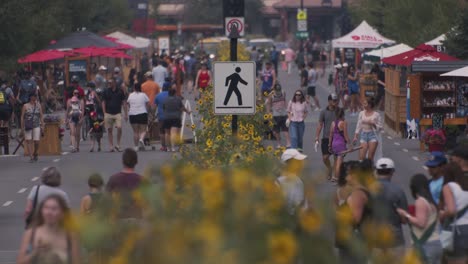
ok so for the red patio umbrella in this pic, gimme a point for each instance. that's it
(422, 52)
(45, 55)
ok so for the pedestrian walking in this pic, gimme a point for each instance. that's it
(358, 206)
(172, 108)
(274, 57)
(7, 101)
(32, 124)
(74, 117)
(49, 240)
(297, 113)
(276, 105)
(158, 102)
(203, 78)
(96, 131)
(304, 77)
(138, 103)
(338, 140)
(160, 72)
(454, 213)
(368, 127)
(289, 58)
(353, 89)
(122, 185)
(290, 182)
(312, 86)
(151, 89)
(326, 118)
(424, 224)
(389, 197)
(435, 165)
(51, 181)
(90, 201)
(100, 79)
(268, 76)
(112, 103)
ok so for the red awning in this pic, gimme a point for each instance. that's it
(45, 55)
(101, 52)
(422, 52)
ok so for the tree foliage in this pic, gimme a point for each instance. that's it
(29, 25)
(457, 38)
(408, 21)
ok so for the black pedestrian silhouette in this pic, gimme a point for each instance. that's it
(235, 79)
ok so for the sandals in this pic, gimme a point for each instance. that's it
(117, 148)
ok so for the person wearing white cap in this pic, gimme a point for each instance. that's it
(100, 80)
(390, 197)
(290, 183)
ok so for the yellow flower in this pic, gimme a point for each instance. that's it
(411, 257)
(270, 149)
(240, 181)
(194, 126)
(266, 116)
(219, 137)
(283, 247)
(310, 221)
(246, 137)
(212, 181)
(200, 102)
(209, 143)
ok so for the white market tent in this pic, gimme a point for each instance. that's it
(138, 43)
(437, 41)
(462, 72)
(389, 51)
(362, 37)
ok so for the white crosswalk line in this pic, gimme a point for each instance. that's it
(8, 203)
(389, 137)
(56, 160)
(35, 179)
(415, 158)
(22, 190)
(405, 150)
(396, 143)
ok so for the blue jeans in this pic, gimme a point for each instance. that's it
(296, 133)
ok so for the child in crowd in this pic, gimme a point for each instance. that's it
(96, 130)
(89, 202)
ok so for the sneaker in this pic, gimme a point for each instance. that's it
(141, 143)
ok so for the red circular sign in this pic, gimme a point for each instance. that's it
(235, 22)
(355, 37)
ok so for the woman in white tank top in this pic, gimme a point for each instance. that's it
(424, 225)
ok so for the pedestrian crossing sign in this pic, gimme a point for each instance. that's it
(234, 88)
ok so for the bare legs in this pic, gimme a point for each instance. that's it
(75, 129)
(369, 149)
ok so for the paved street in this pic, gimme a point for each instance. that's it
(18, 176)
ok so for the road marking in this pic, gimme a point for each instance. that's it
(396, 143)
(56, 160)
(8, 203)
(35, 179)
(45, 168)
(22, 190)
(389, 137)
(415, 158)
(65, 153)
(405, 150)
(8, 156)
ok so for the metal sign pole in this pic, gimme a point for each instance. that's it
(234, 58)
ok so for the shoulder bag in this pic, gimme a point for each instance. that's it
(447, 234)
(29, 123)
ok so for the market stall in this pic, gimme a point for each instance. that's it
(350, 46)
(402, 107)
(439, 99)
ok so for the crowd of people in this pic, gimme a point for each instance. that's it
(438, 219)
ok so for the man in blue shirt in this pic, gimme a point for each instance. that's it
(158, 102)
(436, 165)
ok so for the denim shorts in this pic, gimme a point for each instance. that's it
(367, 137)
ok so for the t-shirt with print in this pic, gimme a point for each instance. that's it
(137, 102)
(124, 184)
(172, 107)
(114, 100)
(312, 75)
(327, 117)
(45, 191)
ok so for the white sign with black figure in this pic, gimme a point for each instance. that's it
(234, 88)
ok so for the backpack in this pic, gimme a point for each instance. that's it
(3, 99)
(4, 103)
